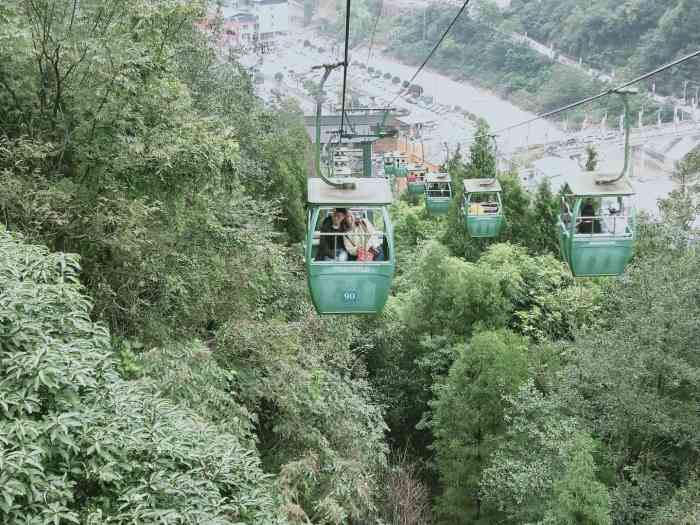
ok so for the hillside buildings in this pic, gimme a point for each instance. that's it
(249, 25)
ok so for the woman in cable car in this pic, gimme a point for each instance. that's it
(362, 242)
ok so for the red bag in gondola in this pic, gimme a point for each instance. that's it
(364, 254)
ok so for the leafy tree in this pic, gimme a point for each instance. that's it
(127, 169)
(638, 410)
(546, 302)
(544, 215)
(412, 345)
(412, 228)
(468, 417)
(544, 470)
(516, 207)
(642, 407)
(450, 295)
(318, 427)
(683, 509)
(481, 165)
(482, 157)
(682, 205)
(98, 448)
(591, 158)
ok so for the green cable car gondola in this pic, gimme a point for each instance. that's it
(597, 219)
(482, 208)
(416, 179)
(438, 193)
(597, 226)
(389, 169)
(396, 164)
(339, 285)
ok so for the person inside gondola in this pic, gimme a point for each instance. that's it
(331, 246)
(362, 242)
(589, 222)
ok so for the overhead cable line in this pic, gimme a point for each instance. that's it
(435, 48)
(345, 69)
(374, 30)
(600, 95)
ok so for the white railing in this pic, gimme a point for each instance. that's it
(619, 225)
(345, 247)
(438, 193)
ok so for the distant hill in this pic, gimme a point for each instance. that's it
(631, 35)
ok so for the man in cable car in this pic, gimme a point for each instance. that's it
(589, 224)
(331, 247)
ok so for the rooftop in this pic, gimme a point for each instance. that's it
(437, 177)
(368, 191)
(481, 185)
(588, 184)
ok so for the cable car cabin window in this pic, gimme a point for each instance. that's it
(436, 190)
(482, 204)
(353, 235)
(606, 216)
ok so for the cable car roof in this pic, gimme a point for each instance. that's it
(481, 185)
(368, 191)
(587, 185)
(437, 177)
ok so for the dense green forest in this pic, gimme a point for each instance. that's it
(633, 35)
(160, 361)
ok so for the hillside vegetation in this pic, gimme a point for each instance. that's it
(161, 363)
(625, 38)
(634, 35)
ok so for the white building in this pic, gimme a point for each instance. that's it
(273, 17)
